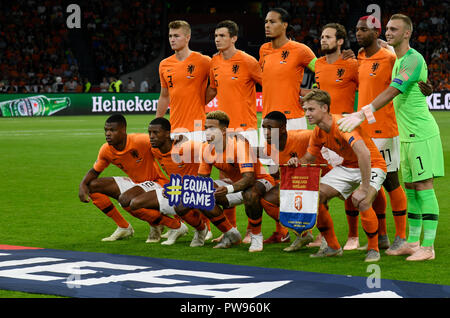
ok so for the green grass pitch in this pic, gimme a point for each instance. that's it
(44, 159)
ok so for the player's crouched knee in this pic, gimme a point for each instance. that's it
(136, 203)
(364, 206)
(125, 200)
(251, 197)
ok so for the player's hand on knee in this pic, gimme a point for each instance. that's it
(220, 192)
(358, 197)
(83, 194)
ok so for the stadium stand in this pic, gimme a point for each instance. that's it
(118, 38)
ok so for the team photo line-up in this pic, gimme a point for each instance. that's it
(361, 152)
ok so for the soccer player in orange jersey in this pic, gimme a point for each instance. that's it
(131, 153)
(375, 70)
(233, 75)
(360, 175)
(335, 75)
(182, 158)
(339, 78)
(283, 63)
(233, 156)
(281, 145)
(184, 79)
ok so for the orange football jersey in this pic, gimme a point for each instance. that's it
(234, 161)
(282, 76)
(136, 160)
(296, 146)
(183, 159)
(340, 80)
(235, 80)
(186, 82)
(374, 77)
(342, 142)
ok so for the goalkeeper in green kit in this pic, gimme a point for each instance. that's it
(421, 148)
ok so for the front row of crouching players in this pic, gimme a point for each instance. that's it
(360, 175)
(183, 158)
(130, 153)
(246, 183)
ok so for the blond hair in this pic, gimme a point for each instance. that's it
(180, 24)
(219, 115)
(406, 20)
(319, 96)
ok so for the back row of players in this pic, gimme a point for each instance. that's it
(361, 159)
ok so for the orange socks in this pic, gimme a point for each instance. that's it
(369, 223)
(103, 202)
(352, 218)
(154, 217)
(379, 206)
(398, 204)
(325, 226)
(231, 215)
(194, 219)
(222, 223)
(274, 212)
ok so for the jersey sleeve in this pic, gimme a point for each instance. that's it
(212, 81)
(245, 157)
(206, 65)
(262, 49)
(206, 162)
(351, 137)
(315, 144)
(103, 160)
(409, 72)
(161, 76)
(355, 75)
(307, 57)
(254, 69)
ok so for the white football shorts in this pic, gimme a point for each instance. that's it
(346, 180)
(390, 150)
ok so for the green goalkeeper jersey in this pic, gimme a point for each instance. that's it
(415, 122)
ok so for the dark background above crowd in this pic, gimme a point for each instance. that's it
(118, 38)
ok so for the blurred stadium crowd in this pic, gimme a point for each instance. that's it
(38, 53)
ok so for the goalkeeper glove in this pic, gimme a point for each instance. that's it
(351, 121)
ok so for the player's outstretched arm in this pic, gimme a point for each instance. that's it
(349, 122)
(83, 192)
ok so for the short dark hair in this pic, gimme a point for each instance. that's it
(341, 33)
(277, 116)
(117, 118)
(232, 27)
(163, 122)
(284, 15)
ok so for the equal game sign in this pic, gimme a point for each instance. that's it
(299, 196)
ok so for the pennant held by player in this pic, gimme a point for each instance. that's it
(299, 197)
